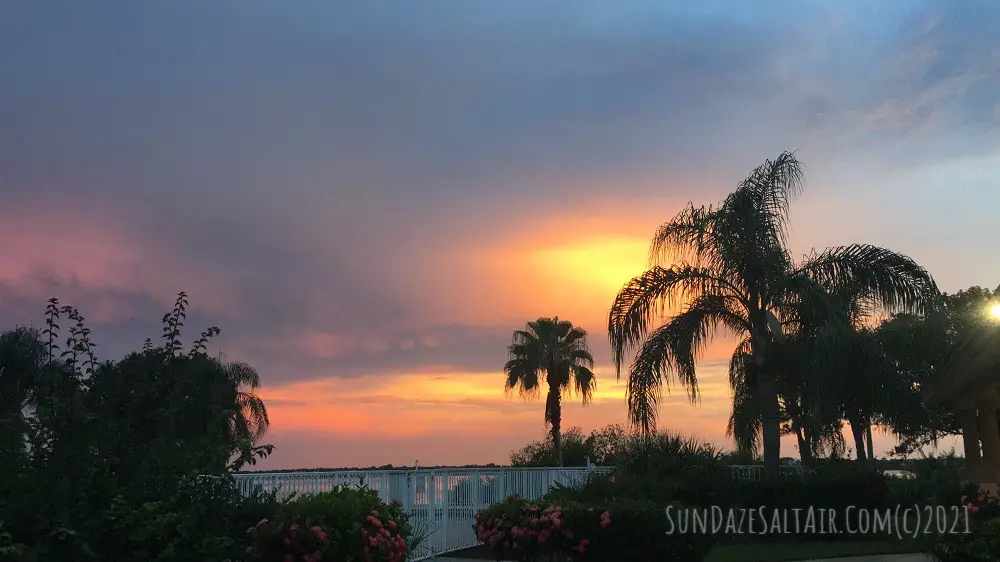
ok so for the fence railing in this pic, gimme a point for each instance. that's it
(755, 472)
(441, 503)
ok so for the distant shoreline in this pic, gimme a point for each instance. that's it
(884, 464)
(365, 468)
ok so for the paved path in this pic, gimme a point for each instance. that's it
(872, 558)
(881, 558)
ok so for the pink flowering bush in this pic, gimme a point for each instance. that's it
(345, 524)
(620, 531)
(982, 506)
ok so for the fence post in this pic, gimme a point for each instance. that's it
(444, 508)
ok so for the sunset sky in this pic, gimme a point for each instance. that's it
(368, 197)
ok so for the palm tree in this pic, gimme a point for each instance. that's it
(730, 268)
(559, 350)
(250, 423)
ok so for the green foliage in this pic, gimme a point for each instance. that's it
(920, 347)
(203, 519)
(105, 464)
(661, 466)
(344, 524)
(936, 481)
(619, 530)
(982, 544)
(575, 451)
(835, 486)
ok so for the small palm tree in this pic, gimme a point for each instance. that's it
(559, 350)
(251, 422)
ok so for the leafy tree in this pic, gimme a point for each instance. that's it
(919, 348)
(730, 268)
(575, 451)
(22, 359)
(558, 350)
(106, 442)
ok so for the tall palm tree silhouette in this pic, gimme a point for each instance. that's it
(559, 350)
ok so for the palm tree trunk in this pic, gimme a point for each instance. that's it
(805, 446)
(767, 397)
(553, 405)
(859, 439)
(871, 445)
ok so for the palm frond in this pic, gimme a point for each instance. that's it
(890, 281)
(253, 419)
(744, 425)
(650, 294)
(585, 382)
(688, 237)
(766, 194)
(242, 375)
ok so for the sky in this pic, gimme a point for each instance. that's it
(368, 197)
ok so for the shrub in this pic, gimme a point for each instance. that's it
(936, 481)
(982, 506)
(982, 544)
(576, 450)
(621, 531)
(203, 518)
(344, 524)
(835, 486)
(662, 467)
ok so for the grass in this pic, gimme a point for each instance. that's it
(812, 550)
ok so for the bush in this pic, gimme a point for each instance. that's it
(204, 518)
(576, 450)
(663, 468)
(982, 544)
(836, 486)
(621, 531)
(345, 524)
(936, 481)
(196, 519)
(981, 505)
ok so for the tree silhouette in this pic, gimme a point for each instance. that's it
(730, 269)
(558, 350)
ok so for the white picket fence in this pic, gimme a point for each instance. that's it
(442, 503)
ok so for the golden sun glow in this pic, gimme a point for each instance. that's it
(995, 311)
(605, 264)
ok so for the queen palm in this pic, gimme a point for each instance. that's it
(250, 423)
(729, 270)
(829, 368)
(558, 350)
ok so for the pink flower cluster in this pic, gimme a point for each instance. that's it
(381, 539)
(984, 501)
(298, 541)
(533, 528)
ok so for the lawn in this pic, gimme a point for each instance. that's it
(812, 550)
